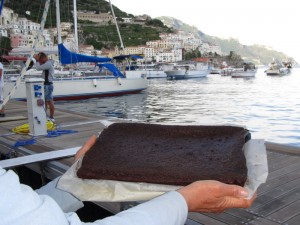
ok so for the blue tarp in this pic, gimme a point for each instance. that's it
(122, 57)
(112, 68)
(67, 57)
(1, 6)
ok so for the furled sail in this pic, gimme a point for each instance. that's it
(68, 57)
(112, 68)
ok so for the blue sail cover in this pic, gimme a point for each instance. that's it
(122, 57)
(67, 57)
(1, 6)
(112, 68)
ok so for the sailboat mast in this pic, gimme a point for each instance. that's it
(33, 51)
(75, 25)
(58, 27)
(118, 30)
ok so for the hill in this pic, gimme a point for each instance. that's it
(257, 54)
(107, 36)
(36, 8)
(94, 34)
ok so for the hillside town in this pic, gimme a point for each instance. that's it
(170, 48)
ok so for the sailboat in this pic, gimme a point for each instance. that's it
(81, 87)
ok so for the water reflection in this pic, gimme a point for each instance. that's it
(268, 106)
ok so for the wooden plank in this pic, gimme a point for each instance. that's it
(286, 213)
(227, 218)
(262, 221)
(38, 157)
(275, 193)
(284, 170)
(203, 219)
(278, 203)
(292, 150)
(272, 155)
(275, 157)
(283, 162)
(242, 213)
(12, 118)
(294, 221)
(279, 182)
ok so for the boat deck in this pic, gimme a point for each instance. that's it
(278, 200)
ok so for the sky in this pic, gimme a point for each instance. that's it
(272, 23)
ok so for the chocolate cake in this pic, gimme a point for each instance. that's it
(173, 155)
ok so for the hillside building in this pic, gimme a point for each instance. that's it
(101, 18)
(8, 17)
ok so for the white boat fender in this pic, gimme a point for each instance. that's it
(119, 81)
(95, 83)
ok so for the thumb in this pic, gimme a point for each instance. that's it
(235, 191)
(87, 146)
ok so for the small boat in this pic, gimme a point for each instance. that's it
(151, 71)
(187, 71)
(248, 71)
(215, 71)
(227, 71)
(277, 69)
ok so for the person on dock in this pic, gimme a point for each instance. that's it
(19, 204)
(2, 113)
(42, 62)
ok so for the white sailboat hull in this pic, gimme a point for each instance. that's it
(186, 74)
(86, 88)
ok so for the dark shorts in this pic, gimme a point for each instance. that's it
(48, 92)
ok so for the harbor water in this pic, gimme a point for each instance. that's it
(268, 106)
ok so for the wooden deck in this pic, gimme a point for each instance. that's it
(278, 200)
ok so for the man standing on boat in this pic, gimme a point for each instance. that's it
(47, 66)
(2, 114)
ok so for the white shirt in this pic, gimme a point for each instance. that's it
(20, 205)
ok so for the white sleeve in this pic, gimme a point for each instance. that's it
(66, 201)
(19, 204)
(168, 209)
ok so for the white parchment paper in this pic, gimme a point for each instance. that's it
(257, 164)
(117, 191)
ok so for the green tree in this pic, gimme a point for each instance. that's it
(5, 45)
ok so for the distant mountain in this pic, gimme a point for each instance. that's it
(179, 25)
(257, 54)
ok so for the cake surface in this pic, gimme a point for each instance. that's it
(172, 155)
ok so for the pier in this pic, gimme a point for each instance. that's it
(278, 200)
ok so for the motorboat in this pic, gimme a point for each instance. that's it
(227, 71)
(215, 71)
(243, 74)
(152, 71)
(187, 71)
(277, 69)
(248, 71)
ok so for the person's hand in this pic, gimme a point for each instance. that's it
(86, 147)
(214, 196)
